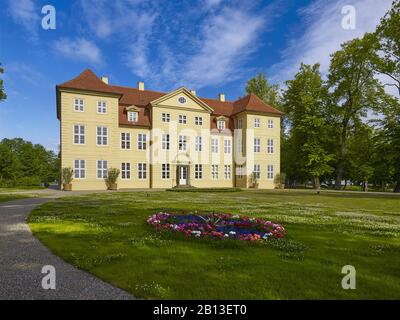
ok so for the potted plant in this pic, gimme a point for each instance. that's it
(280, 180)
(112, 178)
(254, 180)
(67, 177)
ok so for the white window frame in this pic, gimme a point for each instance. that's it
(214, 145)
(125, 170)
(270, 172)
(182, 119)
(221, 124)
(133, 116)
(182, 143)
(214, 171)
(101, 107)
(81, 133)
(198, 121)
(199, 143)
(239, 171)
(270, 146)
(257, 171)
(165, 171)
(257, 145)
(80, 170)
(165, 117)
(227, 146)
(101, 169)
(198, 171)
(142, 141)
(227, 172)
(79, 105)
(256, 122)
(239, 124)
(270, 123)
(103, 137)
(165, 144)
(142, 170)
(125, 140)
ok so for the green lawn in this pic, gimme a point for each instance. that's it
(9, 197)
(107, 234)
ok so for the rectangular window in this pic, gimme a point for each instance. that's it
(270, 146)
(227, 172)
(227, 146)
(79, 169)
(142, 141)
(214, 145)
(256, 122)
(257, 146)
(79, 134)
(102, 169)
(101, 107)
(239, 124)
(257, 171)
(142, 171)
(198, 144)
(214, 171)
(270, 123)
(198, 171)
(221, 125)
(165, 142)
(102, 136)
(125, 170)
(165, 117)
(270, 172)
(198, 121)
(132, 116)
(165, 172)
(182, 119)
(239, 143)
(125, 140)
(78, 105)
(182, 143)
(239, 171)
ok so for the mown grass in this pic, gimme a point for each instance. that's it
(9, 197)
(107, 235)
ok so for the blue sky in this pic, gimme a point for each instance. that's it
(211, 46)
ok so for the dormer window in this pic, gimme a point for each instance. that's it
(221, 124)
(132, 116)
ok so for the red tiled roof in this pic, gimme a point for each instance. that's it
(253, 103)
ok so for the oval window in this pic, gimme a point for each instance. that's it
(182, 100)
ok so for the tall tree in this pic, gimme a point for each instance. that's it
(354, 89)
(304, 103)
(261, 88)
(3, 95)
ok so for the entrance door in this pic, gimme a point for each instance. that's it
(183, 175)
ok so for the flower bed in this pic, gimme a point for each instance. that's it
(218, 226)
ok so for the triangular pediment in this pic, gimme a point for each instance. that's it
(182, 98)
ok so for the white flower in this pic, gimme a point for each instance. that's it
(232, 233)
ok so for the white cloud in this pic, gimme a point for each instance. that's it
(26, 14)
(79, 49)
(324, 34)
(17, 72)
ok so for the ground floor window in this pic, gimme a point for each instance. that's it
(239, 171)
(214, 171)
(227, 172)
(256, 171)
(198, 171)
(125, 170)
(102, 169)
(142, 171)
(270, 172)
(79, 169)
(165, 172)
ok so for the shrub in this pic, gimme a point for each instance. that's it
(112, 176)
(67, 175)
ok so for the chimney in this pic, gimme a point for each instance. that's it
(193, 92)
(140, 85)
(221, 97)
(104, 79)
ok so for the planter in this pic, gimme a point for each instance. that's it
(282, 186)
(112, 186)
(255, 185)
(67, 186)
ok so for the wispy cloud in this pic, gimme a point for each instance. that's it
(25, 13)
(17, 72)
(78, 49)
(324, 33)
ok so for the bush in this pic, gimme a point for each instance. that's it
(20, 182)
(112, 176)
(67, 175)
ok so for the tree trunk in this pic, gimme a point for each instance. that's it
(340, 168)
(317, 184)
(397, 186)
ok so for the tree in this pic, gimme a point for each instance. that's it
(354, 90)
(304, 103)
(261, 88)
(3, 95)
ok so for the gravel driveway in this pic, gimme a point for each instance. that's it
(22, 257)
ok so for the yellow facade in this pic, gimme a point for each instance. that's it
(217, 159)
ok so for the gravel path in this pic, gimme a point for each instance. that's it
(22, 257)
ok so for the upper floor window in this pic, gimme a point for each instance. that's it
(165, 117)
(198, 171)
(125, 170)
(256, 122)
(257, 171)
(182, 143)
(142, 171)
(165, 142)
(79, 169)
(239, 124)
(182, 119)
(198, 144)
(221, 125)
(270, 172)
(102, 169)
(227, 146)
(125, 140)
(270, 146)
(102, 136)
(227, 172)
(257, 146)
(142, 141)
(79, 134)
(198, 121)
(101, 107)
(270, 123)
(214, 145)
(214, 171)
(78, 104)
(132, 116)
